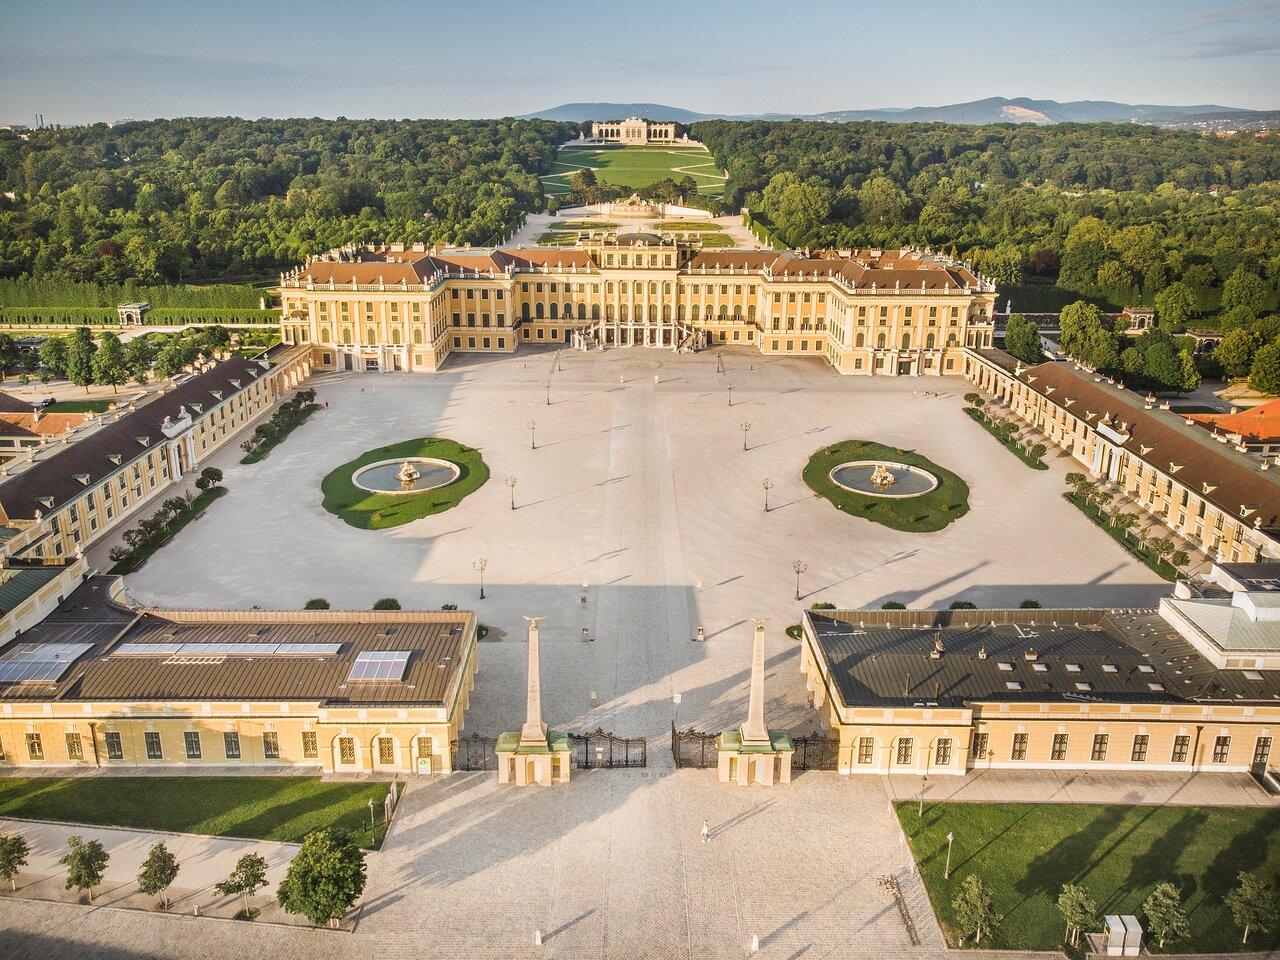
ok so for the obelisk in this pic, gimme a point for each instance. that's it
(534, 730)
(754, 731)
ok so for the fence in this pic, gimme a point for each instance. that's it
(601, 749)
(693, 748)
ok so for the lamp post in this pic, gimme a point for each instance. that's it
(547, 385)
(372, 825)
(533, 441)
(745, 428)
(511, 484)
(951, 838)
(731, 393)
(480, 565)
(924, 783)
(768, 485)
(799, 566)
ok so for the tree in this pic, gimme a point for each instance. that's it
(582, 180)
(158, 872)
(1252, 903)
(1029, 605)
(209, 477)
(1162, 366)
(1264, 373)
(325, 877)
(893, 605)
(1166, 917)
(80, 358)
(1077, 910)
(1191, 379)
(53, 356)
(316, 603)
(9, 354)
(964, 605)
(1245, 289)
(387, 603)
(108, 363)
(796, 207)
(1174, 305)
(249, 876)
(13, 857)
(1022, 339)
(1235, 352)
(972, 908)
(86, 862)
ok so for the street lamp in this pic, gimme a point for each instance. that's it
(924, 783)
(533, 442)
(731, 393)
(511, 483)
(768, 485)
(480, 565)
(951, 838)
(547, 385)
(799, 566)
(372, 825)
(745, 428)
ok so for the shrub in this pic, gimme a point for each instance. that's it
(964, 605)
(1029, 605)
(316, 603)
(387, 603)
(823, 605)
(893, 605)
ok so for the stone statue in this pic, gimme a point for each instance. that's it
(882, 477)
(408, 475)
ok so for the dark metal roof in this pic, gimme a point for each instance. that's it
(57, 478)
(879, 658)
(438, 650)
(19, 583)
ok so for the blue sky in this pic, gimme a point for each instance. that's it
(77, 61)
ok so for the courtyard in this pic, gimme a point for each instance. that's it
(639, 489)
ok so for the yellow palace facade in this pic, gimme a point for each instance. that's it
(869, 312)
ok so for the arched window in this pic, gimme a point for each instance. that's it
(395, 336)
(537, 311)
(622, 311)
(724, 311)
(751, 311)
(567, 312)
(862, 340)
(666, 313)
(555, 311)
(595, 311)
(929, 341)
(653, 313)
(582, 311)
(708, 313)
(608, 311)
(346, 335)
(951, 340)
(324, 335)
(737, 313)
(680, 311)
(417, 336)
(653, 287)
(906, 341)
(880, 341)
(371, 336)
(524, 311)
(608, 287)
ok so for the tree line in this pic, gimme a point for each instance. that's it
(208, 199)
(1113, 212)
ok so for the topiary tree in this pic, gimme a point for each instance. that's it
(86, 862)
(387, 603)
(249, 876)
(1253, 904)
(1077, 910)
(324, 879)
(972, 908)
(1029, 605)
(1166, 917)
(209, 477)
(822, 605)
(158, 872)
(316, 603)
(13, 857)
(963, 605)
(893, 605)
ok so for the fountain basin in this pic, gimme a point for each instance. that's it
(908, 481)
(384, 476)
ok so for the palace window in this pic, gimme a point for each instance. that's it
(1140, 743)
(75, 747)
(1221, 747)
(942, 754)
(904, 750)
(231, 745)
(191, 740)
(865, 746)
(1099, 752)
(980, 743)
(386, 751)
(309, 749)
(271, 745)
(346, 750)
(115, 749)
(1059, 747)
(1019, 751)
(35, 747)
(154, 749)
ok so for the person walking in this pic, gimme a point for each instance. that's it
(706, 831)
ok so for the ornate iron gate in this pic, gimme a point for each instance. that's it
(602, 749)
(475, 753)
(814, 752)
(693, 748)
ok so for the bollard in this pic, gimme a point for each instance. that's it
(537, 938)
(702, 635)
(755, 943)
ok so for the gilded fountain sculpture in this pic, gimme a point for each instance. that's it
(882, 477)
(408, 475)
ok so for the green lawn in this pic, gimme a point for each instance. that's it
(1013, 447)
(929, 512)
(80, 406)
(1157, 566)
(283, 429)
(635, 167)
(266, 808)
(179, 520)
(1026, 852)
(692, 226)
(378, 511)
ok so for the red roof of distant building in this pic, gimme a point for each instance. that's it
(1257, 423)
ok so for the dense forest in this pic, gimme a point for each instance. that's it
(1117, 213)
(214, 199)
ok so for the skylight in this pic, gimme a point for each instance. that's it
(384, 665)
(1110, 668)
(40, 662)
(1084, 687)
(1040, 667)
(1004, 666)
(233, 649)
(1155, 687)
(1013, 684)
(1073, 668)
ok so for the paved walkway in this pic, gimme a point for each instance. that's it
(1077, 786)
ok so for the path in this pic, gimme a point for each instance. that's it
(1084, 786)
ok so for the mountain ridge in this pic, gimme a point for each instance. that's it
(1204, 116)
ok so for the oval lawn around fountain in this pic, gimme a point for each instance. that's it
(924, 513)
(370, 510)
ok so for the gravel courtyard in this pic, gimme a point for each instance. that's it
(640, 488)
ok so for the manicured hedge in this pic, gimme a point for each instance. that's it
(927, 513)
(160, 316)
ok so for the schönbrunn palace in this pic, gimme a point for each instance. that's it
(870, 312)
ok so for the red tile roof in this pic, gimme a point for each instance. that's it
(1257, 423)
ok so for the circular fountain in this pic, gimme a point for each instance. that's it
(412, 475)
(877, 478)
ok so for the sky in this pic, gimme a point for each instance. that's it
(77, 61)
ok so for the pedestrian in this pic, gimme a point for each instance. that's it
(706, 831)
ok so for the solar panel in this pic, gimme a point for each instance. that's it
(233, 649)
(40, 662)
(379, 665)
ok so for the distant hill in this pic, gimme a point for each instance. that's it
(1205, 116)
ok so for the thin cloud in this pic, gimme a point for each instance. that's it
(1261, 10)
(1226, 47)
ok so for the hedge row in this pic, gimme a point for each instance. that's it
(106, 316)
(28, 292)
